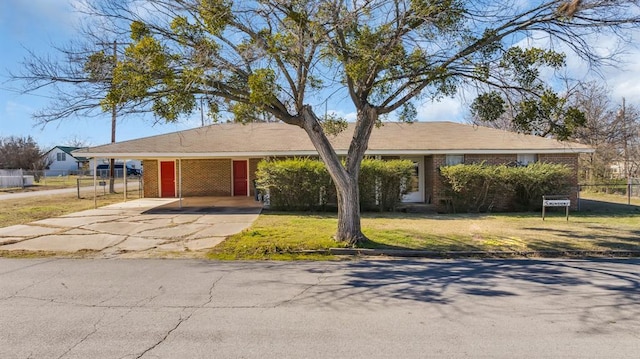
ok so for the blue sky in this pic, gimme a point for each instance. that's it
(39, 24)
(36, 25)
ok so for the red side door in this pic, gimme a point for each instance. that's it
(167, 179)
(240, 178)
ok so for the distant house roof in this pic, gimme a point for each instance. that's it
(68, 150)
(279, 139)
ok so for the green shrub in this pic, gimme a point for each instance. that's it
(480, 187)
(474, 187)
(295, 184)
(530, 183)
(383, 183)
(304, 184)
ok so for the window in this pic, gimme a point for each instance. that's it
(61, 156)
(454, 160)
(526, 158)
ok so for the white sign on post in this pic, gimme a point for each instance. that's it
(554, 201)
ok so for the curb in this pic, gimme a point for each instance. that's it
(481, 254)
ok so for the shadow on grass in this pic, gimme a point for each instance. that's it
(400, 215)
(602, 208)
(588, 207)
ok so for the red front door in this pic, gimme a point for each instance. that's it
(240, 178)
(167, 179)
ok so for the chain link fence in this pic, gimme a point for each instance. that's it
(625, 191)
(81, 182)
(630, 188)
(87, 189)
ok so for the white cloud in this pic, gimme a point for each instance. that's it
(447, 109)
(620, 75)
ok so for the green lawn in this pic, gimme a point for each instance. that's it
(600, 226)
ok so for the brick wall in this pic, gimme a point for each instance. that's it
(439, 197)
(428, 179)
(209, 177)
(206, 177)
(150, 179)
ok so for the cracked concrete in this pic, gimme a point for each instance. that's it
(138, 226)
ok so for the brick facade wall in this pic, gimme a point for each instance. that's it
(206, 177)
(150, 179)
(210, 177)
(428, 179)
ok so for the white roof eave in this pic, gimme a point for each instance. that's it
(140, 155)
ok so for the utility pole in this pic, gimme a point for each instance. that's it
(627, 173)
(112, 161)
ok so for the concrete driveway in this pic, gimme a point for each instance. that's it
(143, 225)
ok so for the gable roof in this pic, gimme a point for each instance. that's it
(279, 139)
(68, 150)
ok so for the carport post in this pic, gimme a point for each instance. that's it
(95, 182)
(180, 181)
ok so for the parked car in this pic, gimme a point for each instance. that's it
(103, 170)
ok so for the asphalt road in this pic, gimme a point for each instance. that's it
(65, 308)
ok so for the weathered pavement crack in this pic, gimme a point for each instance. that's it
(213, 285)
(319, 280)
(95, 329)
(182, 320)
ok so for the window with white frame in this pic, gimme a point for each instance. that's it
(61, 156)
(452, 160)
(525, 158)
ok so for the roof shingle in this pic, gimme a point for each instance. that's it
(268, 139)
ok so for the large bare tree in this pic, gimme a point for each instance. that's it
(283, 56)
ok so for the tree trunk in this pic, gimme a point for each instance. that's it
(344, 176)
(349, 227)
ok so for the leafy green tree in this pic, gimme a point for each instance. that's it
(278, 56)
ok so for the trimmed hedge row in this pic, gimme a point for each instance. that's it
(480, 187)
(297, 184)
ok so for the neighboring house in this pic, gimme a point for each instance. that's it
(221, 159)
(619, 169)
(63, 162)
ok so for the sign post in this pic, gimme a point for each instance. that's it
(556, 201)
